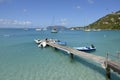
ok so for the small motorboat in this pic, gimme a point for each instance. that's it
(56, 41)
(61, 43)
(38, 41)
(86, 48)
(42, 44)
(54, 30)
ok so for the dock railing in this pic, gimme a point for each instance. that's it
(114, 57)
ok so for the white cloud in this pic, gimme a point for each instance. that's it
(91, 1)
(10, 22)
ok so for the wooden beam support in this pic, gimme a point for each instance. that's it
(107, 73)
(115, 66)
(71, 55)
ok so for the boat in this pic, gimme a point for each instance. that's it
(37, 41)
(87, 30)
(96, 29)
(86, 48)
(61, 43)
(38, 29)
(44, 29)
(56, 41)
(42, 44)
(54, 30)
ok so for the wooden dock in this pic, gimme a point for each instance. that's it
(115, 66)
(69, 50)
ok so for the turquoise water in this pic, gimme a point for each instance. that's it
(21, 59)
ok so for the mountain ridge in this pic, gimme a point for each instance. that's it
(110, 21)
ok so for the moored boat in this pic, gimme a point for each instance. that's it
(42, 44)
(38, 29)
(54, 30)
(37, 41)
(86, 48)
(61, 43)
(87, 30)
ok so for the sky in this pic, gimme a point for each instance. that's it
(43, 13)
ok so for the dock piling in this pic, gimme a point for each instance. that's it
(71, 55)
(107, 73)
(109, 64)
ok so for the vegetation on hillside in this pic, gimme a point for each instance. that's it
(110, 21)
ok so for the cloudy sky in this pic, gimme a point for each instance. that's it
(19, 13)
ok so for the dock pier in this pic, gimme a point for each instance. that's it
(115, 66)
(108, 64)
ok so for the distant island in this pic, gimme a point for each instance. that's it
(109, 22)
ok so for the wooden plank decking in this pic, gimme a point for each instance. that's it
(115, 66)
(67, 49)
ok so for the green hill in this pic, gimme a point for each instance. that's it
(110, 21)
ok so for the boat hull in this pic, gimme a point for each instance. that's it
(85, 49)
(62, 43)
(54, 31)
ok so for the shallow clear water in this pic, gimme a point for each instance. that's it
(21, 59)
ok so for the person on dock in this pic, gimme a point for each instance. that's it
(92, 46)
(46, 40)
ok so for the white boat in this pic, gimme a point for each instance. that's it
(96, 29)
(54, 30)
(42, 44)
(38, 29)
(87, 30)
(38, 41)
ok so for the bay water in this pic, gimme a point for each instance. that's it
(21, 59)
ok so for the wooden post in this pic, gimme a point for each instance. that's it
(118, 53)
(71, 55)
(107, 68)
(107, 73)
(55, 48)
